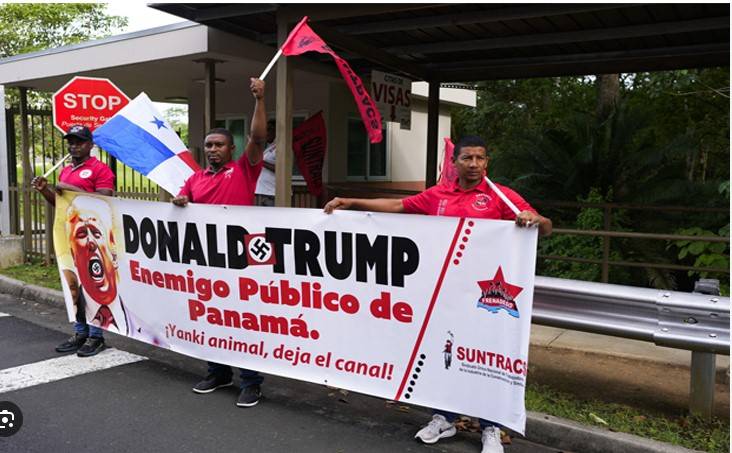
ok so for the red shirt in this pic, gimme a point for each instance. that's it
(90, 176)
(453, 201)
(233, 184)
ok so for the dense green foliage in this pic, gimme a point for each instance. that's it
(29, 27)
(664, 142)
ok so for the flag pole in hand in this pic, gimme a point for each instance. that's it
(503, 196)
(279, 51)
(58, 164)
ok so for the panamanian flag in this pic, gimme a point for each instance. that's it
(139, 136)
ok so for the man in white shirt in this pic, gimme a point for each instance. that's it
(265, 190)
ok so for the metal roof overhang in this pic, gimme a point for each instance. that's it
(470, 42)
(162, 61)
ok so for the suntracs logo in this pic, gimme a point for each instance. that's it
(480, 202)
(447, 350)
(497, 294)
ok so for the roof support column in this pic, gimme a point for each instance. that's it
(25, 150)
(4, 174)
(209, 102)
(209, 95)
(433, 118)
(283, 163)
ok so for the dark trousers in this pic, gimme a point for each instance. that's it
(248, 377)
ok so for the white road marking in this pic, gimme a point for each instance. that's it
(46, 371)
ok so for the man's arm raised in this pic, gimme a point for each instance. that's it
(393, 205)
(258, 132)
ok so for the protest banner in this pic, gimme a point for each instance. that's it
(434, 311)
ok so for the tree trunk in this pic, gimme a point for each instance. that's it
(608, 94)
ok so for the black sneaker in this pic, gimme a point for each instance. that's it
(211, 383)
(92, 346)
(72, 344)
(249, 396)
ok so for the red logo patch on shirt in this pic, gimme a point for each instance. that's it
(85, 173)
(480, 202)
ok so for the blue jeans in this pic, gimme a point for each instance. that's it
(451, 417)
(86, 330)
(248, 377)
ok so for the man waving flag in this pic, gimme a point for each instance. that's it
(139, 136)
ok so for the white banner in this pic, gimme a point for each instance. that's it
(434, 311)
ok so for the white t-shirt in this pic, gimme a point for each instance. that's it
(266, 181)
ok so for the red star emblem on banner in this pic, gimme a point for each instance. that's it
(499, 285)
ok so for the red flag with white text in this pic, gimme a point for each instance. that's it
(303, 39)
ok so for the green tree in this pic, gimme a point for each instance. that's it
(653, 138)
(30, 27)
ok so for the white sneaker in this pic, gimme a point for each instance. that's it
(435, 430)
(492, 440)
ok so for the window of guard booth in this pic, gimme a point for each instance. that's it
(365, 161)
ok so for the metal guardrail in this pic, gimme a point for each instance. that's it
(695, 322)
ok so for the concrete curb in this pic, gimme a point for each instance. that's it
(540, 428)
(30, 292)
(572, 436)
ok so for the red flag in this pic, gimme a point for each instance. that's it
(448, 174)
(303, 39)
(309, 144)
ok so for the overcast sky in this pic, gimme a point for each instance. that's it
(140, 15)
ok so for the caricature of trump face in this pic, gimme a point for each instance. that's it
(88, 224)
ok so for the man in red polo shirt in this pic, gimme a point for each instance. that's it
(468, 196)
(232, 183)
(85, 174)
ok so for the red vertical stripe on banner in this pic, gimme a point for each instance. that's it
(426, 321)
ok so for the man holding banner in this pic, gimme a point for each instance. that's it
(231, 183)
(85, 174)
(469, 195)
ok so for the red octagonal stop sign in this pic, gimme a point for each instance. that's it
(88, 101)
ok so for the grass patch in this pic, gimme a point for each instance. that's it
(690, 432)
(36, 274)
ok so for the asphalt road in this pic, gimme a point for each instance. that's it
(148, 405)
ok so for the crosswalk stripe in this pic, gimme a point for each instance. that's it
(2, 315)
(46, 371)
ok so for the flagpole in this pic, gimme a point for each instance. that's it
(58, 164)
(503, 196)
(279, 51)
(271, 63)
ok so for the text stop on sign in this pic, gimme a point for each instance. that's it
(88, 101)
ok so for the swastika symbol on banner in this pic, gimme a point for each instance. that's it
(259, 249)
